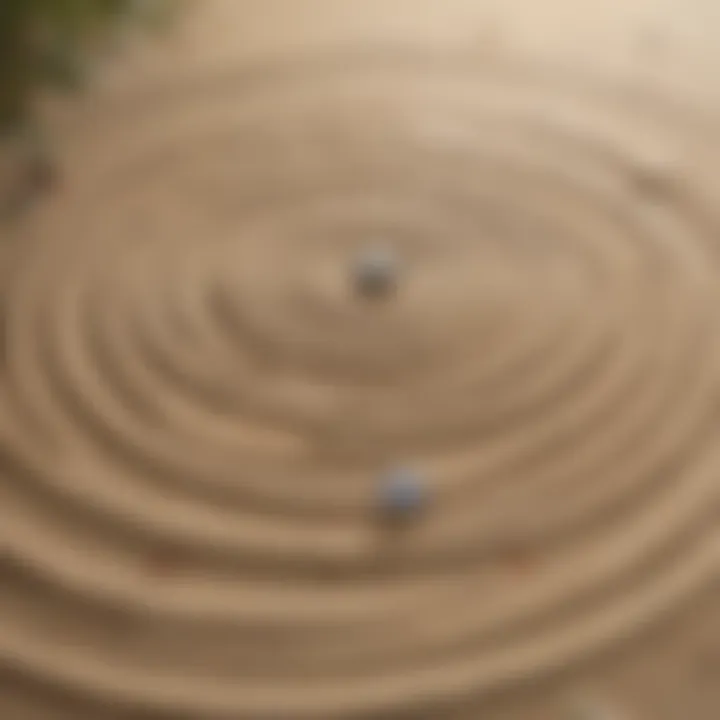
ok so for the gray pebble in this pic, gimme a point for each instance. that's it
(375, 272)
(402, 493)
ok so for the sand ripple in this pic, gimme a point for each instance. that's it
(198, 406)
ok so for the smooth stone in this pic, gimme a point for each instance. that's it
(403, 492)
(375, 272)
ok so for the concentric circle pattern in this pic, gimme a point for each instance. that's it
(199, 405)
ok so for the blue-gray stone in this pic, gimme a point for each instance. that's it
(375, 271)
(403, 492)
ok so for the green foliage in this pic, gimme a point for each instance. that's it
(47, 43)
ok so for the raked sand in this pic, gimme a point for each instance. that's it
(197, 406)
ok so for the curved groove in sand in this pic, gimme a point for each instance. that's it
(199, 407)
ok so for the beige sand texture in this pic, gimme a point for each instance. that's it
(196, 406)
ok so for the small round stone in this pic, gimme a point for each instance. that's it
(403, 492)
(375, 272)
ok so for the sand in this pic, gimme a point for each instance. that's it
(197, 406)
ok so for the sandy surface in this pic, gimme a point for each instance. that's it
(197, 407)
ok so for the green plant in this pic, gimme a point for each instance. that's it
(49, 43)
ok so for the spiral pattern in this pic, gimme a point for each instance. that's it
(198, 406)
